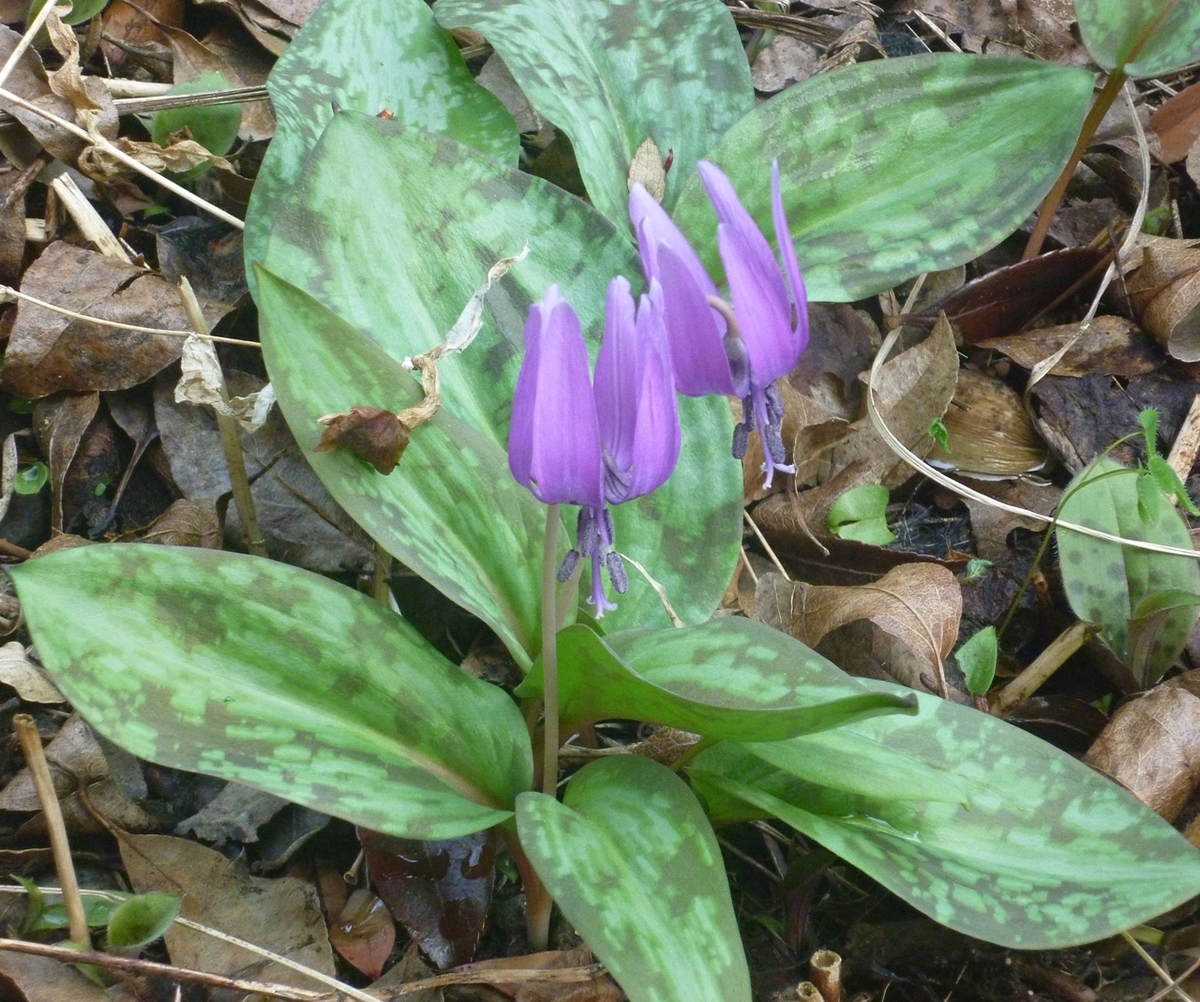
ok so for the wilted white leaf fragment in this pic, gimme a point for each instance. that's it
(202, 383)
(649, 170)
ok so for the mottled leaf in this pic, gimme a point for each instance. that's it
(728, 678)
(612, 75)
(1049, 854)
(397, 255)
(262, 673)
(1116, 585)
(632, 862)
(369, 56)
(898, 166)
(1144, 37)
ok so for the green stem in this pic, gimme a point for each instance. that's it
(550, 653)
(1108, 94)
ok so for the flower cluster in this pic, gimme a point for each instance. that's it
(595, 442)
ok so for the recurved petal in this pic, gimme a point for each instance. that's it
(554, 441)
(617, 377)
(791, 267)
(761, 303)
(694, 331)
(654, 228)
(657, 435)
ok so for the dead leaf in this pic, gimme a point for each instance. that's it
(1177, 123)
(281, 914)
(1151, 745)
(989, 433)
(601, 988)
(182, 155)
(74, 757)
(59, 425)
(918, 604)
(1165, 293)
(439, 890)
(1109, 344)
(40, 979)
(377, 436)
(912, 390)
(649, 170)
(236, 813)
(364, 932)
(49, 352)
(784, 61)
(187, 523)
(202, 383)
(30, 682)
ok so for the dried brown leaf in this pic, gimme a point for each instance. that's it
(364, 932)
(1165, 293)
(187, 523)
(30, 682)
(918, 604)
(599, 989)
(1111, 345)
(1177, 123)
(372, 434)
(1151, 745)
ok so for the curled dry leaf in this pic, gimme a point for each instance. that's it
(31, 684)
(187, 523)
(201, 382)
(372, 434)
(180, 156)
(1151, 745)
(989, 433)
(1165, 292)
(918, 604)
(1111, 345)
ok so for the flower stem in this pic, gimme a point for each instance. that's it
(550, 653)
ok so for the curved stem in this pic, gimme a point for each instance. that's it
(550, 653)
(1108, 94)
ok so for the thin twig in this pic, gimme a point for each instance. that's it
(1156, 968)
(35, 26)
(149, 967)
(165, 102)
(765, 545)
(231, 441)
(39, 769)
(9, 291)
(119, 154)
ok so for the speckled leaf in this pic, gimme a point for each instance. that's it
(399, 253)
(613, 73)
(271, 676)
(632, 862)
(1106, 582)
(727, 678)
(898, 166)
(451, 509)
(1050, 854)
(369, 56)
(1146, 37)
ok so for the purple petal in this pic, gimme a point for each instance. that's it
(760, 298)
(617, 377)
(554, 442)
(657, 434)
(791, 267)
(696, 338)
(654, 229)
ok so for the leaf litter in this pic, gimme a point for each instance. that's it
(146, 466)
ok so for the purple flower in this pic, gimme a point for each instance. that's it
(594, 444)
(739, 349)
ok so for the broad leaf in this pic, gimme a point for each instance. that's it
(268, 675)
(899, 166)
(370, 56)
(1116, 585)
(728, 678)
(451, 509)
(1144, 37)
(632, 862)
(1049, 854)
(141, 919)
(400, 253)
(612, 75)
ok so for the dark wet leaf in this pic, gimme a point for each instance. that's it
(363, 932)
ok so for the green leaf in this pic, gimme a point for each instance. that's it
(53, 917)
(860, 514)
(271, 676)
(611, 75)
(214, 126)
(940, 434)
(728, 678)
(36, 905)
(465, 212)
(31, 479)
(140, 920)
(451, 510)
(1104, 582)
(1145, 37)
(898, 166)
(1050, 854)
(632, 862)
(977, 659)
(81, 10)
(368, 56)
